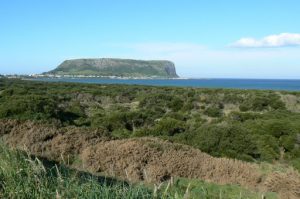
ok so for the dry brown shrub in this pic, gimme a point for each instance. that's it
(143, 161)
(287, 185)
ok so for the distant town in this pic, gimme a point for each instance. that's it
(33, 76)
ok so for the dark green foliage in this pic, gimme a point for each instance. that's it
(168, 126)
(213, 112)
(279, 128)
(231, 140)
(244, 107)
(31, 107)
(287, 142)
(242, 117)
(175, 104)
(261, 102)
(268, 148)
(296, 163)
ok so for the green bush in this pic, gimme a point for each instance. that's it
(242, 117)
(244, 107)
(168, 126)
(296, 163)
(287, 142)
(213, 112)
(278, 128)
(268, 148)
(226, 140)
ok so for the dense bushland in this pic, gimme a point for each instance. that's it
(251, 125)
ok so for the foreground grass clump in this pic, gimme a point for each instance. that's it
(205, 190)
(24, 177)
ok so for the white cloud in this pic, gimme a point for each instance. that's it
(280, 40)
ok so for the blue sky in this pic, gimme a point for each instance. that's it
(205, 38)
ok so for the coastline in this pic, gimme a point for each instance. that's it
(242, 84)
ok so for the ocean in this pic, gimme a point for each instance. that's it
(261, 84)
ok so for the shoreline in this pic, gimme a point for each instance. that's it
(240, 84)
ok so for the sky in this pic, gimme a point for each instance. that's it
(204, 38)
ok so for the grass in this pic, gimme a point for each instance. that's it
(24, 176)
(205, 190)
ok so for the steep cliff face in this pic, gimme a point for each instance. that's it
(116, 67)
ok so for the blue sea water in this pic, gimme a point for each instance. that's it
(262, 84)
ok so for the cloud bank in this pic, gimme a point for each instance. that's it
(271, 41)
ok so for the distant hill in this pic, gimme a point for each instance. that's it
(116, 67)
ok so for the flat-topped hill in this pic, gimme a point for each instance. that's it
(116, 67)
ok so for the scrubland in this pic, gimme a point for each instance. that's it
(197, 143)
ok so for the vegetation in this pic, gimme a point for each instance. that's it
(23, 176)
(249, 125)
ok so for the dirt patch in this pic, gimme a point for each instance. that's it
(292, 102)
(228, 108)
(140, 159)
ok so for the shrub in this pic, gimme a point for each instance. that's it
(175, 104)
(213, 112)
(287, 142)
(225, 140)
(244, 107)
(242, 117)
(169, 126)
(296, 163)
(260, 104)
(278, 128)
(268, 148)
